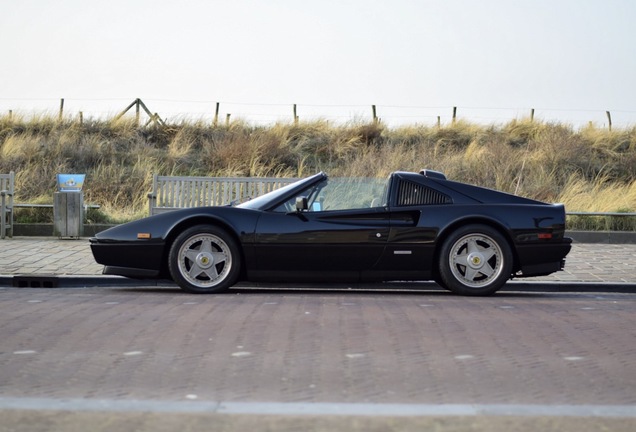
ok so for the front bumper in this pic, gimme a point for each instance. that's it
(132, 259)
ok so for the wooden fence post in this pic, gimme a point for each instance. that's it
(375, 116)
(454, 114)
(81, 118)
(121, 114)
(61, 109)
(609, 119)
(439, 122)
(532, 115)
(10, 115)
(216, 115)
(153, 117)
(227, 119)
(137, 113)
(295, 116)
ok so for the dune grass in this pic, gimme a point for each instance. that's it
(589, 169)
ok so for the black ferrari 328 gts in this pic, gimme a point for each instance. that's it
(412, 226)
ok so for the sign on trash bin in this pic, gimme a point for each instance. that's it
(68, 206)
(70, 182)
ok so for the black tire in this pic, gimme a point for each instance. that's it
(475, 260)
(204, 259)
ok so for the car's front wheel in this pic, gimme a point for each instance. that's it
(475, 260)
(204, 259)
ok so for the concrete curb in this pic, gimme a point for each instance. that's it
(82, 281)
(76, 281)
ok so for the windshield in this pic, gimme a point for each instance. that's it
(270, 198)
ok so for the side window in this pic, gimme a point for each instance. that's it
(340, 194)
(410, 194)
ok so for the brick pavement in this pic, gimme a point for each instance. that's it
(29, 255)
(319, 347)
(587, 262)
(108, 353)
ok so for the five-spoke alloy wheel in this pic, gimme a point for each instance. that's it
(204, 259)
(475, 260)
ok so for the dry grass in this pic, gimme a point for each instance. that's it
(599, 196)
(589, 169)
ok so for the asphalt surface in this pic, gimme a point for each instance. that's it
(101, 353)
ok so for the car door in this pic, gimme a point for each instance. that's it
(417, 211)
(324, 241)
(321, 245)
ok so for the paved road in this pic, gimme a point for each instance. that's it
(157, 357)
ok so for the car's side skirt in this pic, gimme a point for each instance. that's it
(131, 272)
(302, 276)
(337, 276)
(401, 275)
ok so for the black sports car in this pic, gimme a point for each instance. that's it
(412, 226)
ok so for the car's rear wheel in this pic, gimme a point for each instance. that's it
(475, 260)
(204, 259)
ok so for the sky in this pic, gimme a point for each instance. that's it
(495, 60)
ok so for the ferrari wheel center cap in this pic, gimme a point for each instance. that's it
(475, 260)
(205, 260)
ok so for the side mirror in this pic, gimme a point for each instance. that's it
(302, 203)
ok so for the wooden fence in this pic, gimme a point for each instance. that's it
(156, 119)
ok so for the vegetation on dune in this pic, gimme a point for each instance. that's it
(590, 169)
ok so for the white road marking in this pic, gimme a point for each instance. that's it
(355, 355)
(573, 358)
(316, 408)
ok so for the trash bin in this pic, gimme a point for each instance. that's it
(68, 206)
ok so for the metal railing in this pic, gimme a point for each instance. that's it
(599, 214)
(602, 221)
